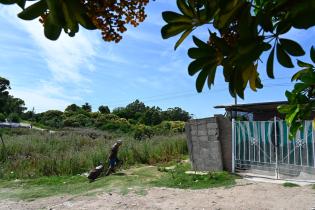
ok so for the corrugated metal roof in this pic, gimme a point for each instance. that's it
(252, 107)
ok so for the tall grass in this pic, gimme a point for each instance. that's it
(35, 154)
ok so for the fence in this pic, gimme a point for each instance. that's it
(264, 147)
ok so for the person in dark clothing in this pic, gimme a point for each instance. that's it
(113, 159)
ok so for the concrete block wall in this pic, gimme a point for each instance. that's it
(210, 143)
(204, 145)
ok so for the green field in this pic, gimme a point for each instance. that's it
(30, 154)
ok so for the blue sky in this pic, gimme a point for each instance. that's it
(52, 75)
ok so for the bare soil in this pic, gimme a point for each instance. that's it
(245, 195)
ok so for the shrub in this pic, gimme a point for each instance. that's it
(105, 118)
(14, 117)
(119, 125)
(143, 132)
(79, 120)
(2, 117)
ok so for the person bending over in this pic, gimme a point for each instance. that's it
(113, 159)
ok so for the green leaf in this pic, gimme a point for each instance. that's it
(196, 53)
(200, 43)
(51, 30)
(292, 114)
(55, 11)
(224, 19)
(270, 64)
(292, 47)
(303, 64)
(299, 74)
(283, 27)
(307, 79)
(196, 65)
(283, 58)
(71, 22)
(211, 76)
(201, 79)
(33, 11)
(183, 37)
(8, 1)
(313, 54)
(184, 8)
(173, 29)
(21, 3)
(173, 17)
(284, 108)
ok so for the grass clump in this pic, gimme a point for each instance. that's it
(290, 184)
(177, 178)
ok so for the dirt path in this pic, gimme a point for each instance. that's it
(246, 195)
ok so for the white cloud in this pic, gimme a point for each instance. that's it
(64, 57)
(40, 101)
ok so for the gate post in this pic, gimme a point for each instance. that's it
(233, 145)
(276, 148)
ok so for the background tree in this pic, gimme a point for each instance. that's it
(104, 109)
(176, 114)
(73, 108)
(87, 107)
(8, 103)
(4, 93)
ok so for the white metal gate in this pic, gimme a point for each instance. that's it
(264, 147)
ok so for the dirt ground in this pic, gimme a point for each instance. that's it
(245, 195)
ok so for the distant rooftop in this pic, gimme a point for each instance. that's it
(252, 107)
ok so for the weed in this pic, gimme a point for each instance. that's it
(289, 184)
(177, 178)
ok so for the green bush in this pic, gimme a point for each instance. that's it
(2, 117)
(143, 132)
(119, 125)
(14, 117)
(79, 120)
(51, 118)
(105, 118)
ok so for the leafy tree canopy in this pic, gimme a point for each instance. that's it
(104, 109)
(110, 17)
(8, 103)
(240, 32)
(87, 107)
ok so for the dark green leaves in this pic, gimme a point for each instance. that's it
(206, 62)
(33, 11)
(292, 47)
(313, 54)
(283, 58)
(193, 15)
(51, 30)
(184, 8)
(173, 17)
(270, 64)
(173, 29)
(285, 48)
